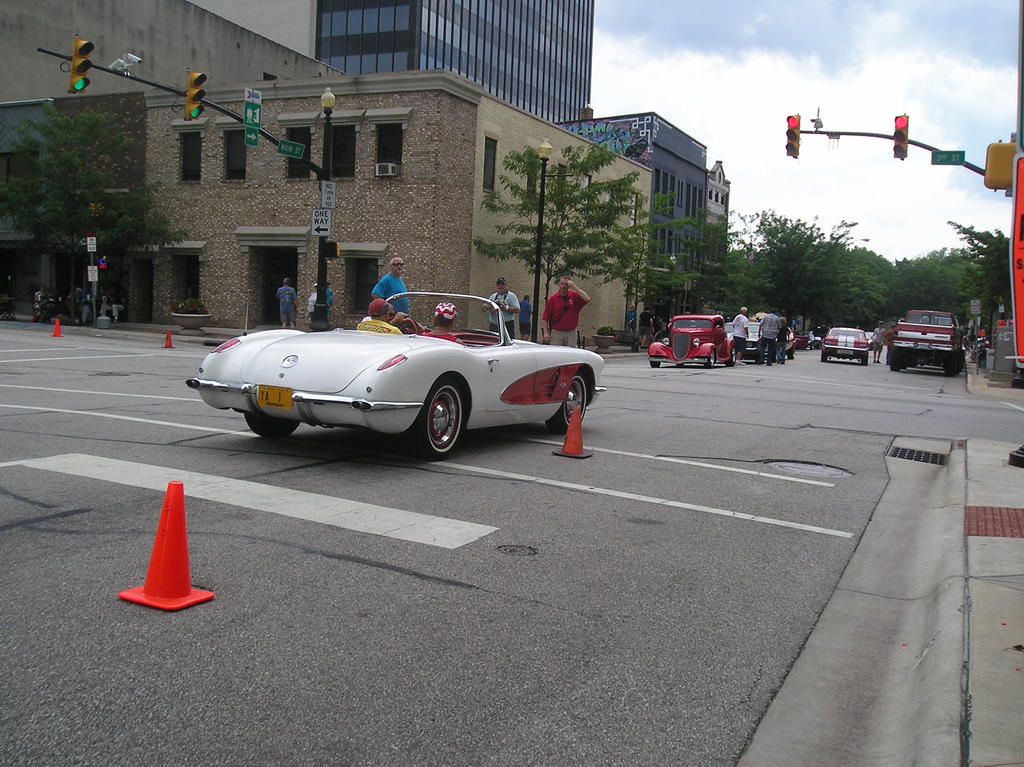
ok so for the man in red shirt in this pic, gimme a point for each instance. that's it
(562, 313)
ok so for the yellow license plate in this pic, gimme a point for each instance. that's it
(275, 396)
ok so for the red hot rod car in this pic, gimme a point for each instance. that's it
(693, 337)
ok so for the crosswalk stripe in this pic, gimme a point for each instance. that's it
(339, 512)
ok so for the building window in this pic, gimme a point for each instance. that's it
(389, 142)
(298, 168)
(191, 155)
(490, 158)
(234, 154)
(343, 151)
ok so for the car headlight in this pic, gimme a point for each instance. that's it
(696, 342)
(665, 341)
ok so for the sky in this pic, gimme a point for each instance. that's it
(728, 74)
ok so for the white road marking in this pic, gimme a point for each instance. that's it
(339, 512)
(688, 462)
(102, 393)
(131, 418)
(1016, 407)
(523, 477)
(648, 499)
(40, 349)
(88, 357)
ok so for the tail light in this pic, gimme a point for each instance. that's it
(396, 360)
(227, 345)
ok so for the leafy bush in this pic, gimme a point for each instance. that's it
(606, 330)
(189, 306)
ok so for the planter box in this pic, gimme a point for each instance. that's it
(603, 342)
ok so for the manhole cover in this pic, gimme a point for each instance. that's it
(518, 551)
(808, 469)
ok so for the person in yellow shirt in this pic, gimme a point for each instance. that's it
(382, 318)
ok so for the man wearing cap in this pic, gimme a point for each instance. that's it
(393, 282)
(286, 303)
(508, 305)
(445, 315)
(328, 298)
(740, 323)
(381, 315)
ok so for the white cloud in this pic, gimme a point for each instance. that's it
(737, 104)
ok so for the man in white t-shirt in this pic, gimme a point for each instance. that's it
(740, 323)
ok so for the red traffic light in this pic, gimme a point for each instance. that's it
(901, 137)
(793, 121)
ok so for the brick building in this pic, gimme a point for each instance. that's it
(247, 211)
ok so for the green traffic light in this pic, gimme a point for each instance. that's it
(80, 84)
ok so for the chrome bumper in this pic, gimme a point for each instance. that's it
(301, 399)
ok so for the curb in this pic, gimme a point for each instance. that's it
(879, 678)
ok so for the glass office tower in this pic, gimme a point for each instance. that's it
(535, 54)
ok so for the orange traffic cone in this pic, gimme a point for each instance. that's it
(168, 582)
(573, 445)
(56, 329)
(167, 341)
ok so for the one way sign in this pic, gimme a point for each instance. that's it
(320, 224)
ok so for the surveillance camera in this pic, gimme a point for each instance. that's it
(131, 58)
(119, 65)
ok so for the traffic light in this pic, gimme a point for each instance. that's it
(80, 64)
(194, 94)
(999, 165)
(793, 136)
(900, 137)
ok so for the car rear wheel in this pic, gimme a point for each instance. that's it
(575, 397)
(729, 361)
(864, 360)
(271, 428)
(439, 425)
(824, 357)
(655, 363)
(894, 360)
(711, 359)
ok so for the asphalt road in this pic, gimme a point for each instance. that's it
(640, 607)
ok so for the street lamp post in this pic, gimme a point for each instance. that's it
(319, 320)
(544, 153)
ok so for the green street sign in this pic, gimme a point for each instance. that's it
(291, 149)
(252, 136)
(949, 158)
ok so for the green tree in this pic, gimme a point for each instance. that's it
(987, 276)
(67, 186)
(633, 257)
(580, 213)
(931, 282)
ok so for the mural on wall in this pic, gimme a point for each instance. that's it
(631, 137)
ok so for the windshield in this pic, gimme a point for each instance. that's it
(927, 318)
(691, 322)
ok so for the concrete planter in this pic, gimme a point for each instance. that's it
(191, 321)
(603, 342)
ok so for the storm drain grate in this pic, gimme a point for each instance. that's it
(923, 456)
(994, 521)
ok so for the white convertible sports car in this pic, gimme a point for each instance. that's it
(431, 388)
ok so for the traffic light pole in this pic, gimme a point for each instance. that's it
(888, 137)
(180, 92)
